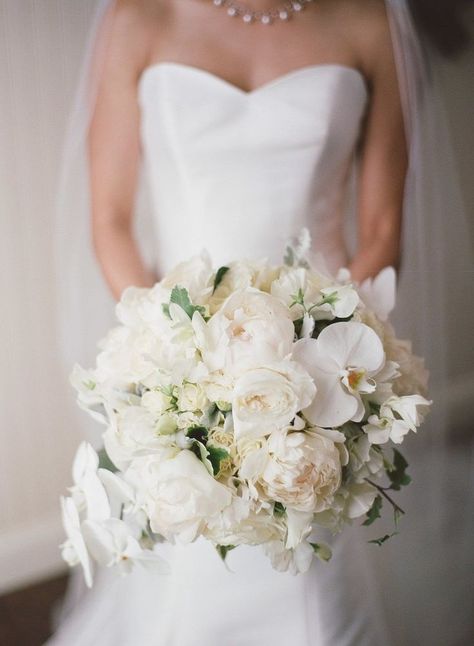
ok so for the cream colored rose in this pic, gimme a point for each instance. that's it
(241, 275)
(191, 397)
(268, 398)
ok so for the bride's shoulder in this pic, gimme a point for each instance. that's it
(135, 13)
(366, 24)
(133, 28)
(371, 14)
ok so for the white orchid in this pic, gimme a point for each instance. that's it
(335, 302)
(74, 550)
(293, 560)
(88, 491)
(113, 544)
(343, 362)
(379, 293)
(398, 416)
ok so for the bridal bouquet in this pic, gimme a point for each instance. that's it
(248, 405)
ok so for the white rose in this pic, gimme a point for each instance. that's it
(242, 274)
(181, 495)
(269, 398)
(191, 397)
(251, 329)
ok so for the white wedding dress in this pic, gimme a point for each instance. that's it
(240, 173)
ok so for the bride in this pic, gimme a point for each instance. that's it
(250, 121)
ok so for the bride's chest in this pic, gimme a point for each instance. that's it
(316, 110)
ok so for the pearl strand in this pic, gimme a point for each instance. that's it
(282, 12)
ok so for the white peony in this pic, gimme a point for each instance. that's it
(301, 470)
(251, 329)
(195, 275)
(140, 307)
(268, 398)
(343, 362)
(180, 495)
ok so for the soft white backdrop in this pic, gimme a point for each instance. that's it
(40, 50)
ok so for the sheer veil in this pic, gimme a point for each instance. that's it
(434, 287)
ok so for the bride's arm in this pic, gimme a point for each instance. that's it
(114, 154)
(383, 161)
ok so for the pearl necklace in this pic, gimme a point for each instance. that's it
(283, 12)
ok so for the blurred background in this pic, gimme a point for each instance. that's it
(40, 52)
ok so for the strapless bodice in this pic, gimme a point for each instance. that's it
(241, 172)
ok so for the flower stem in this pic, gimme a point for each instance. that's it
(382, 490)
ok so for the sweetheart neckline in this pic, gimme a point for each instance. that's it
(260, 88)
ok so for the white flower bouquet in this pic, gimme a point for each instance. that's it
(248, 405)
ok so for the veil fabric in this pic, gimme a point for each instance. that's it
(433, 310)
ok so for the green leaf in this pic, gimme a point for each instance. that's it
(217, 456)
(180, 296)
(322, 551)
(380, 541)
(397, 475)
(210, 416)
(278, 509)
(223, 550)
(201, 452)
(298, 298)
(397, 514)
(198, 433)
(220, 273)
(298, 324)
(105, 462)
(374, 511)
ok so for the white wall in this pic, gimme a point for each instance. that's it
(40, 45)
